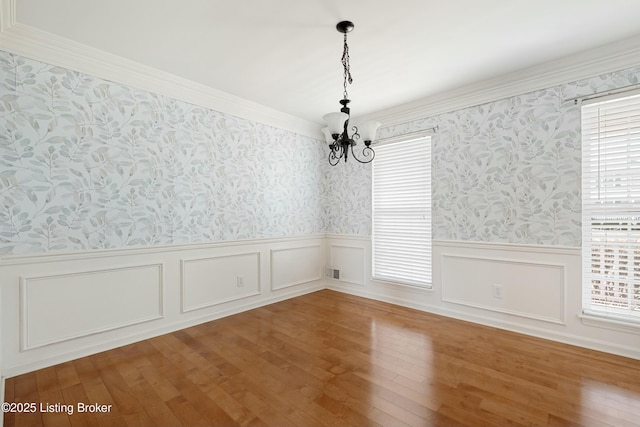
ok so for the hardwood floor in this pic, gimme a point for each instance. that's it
(330, 359)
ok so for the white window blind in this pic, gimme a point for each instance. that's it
(402, 212)
(611, 206)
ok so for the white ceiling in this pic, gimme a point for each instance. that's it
(285, 54)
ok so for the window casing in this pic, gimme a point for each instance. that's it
(402, 212)
(611, 207)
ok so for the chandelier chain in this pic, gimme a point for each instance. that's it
(347, 68)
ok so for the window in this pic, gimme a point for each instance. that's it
(611, 206)
(402, 211)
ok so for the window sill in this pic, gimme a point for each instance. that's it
(616, 324)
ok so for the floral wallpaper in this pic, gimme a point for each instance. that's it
(509, 171)
(348, 197)
(87, 164)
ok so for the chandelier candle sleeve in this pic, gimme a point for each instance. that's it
(368, 130)
(327, 135)
(335, 122)
(337, 130)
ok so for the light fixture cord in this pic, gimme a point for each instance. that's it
(345, 64)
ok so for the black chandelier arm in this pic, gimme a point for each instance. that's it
(367, 152)
(355, 135)
(333, 158)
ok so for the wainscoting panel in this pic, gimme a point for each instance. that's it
(521, 288)
(216, 280)
(61, 307)
(295, 266)
(531, 289)
(350, 260)
(56, 307)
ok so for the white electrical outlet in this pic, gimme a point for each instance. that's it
(240, 281)
(496, 291)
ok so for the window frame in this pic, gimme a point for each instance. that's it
(405, 157)
(611, 192)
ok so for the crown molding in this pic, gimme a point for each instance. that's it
(33, 43)
(604, 59)
(42, 46)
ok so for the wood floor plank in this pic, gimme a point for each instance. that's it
(93, 385)
(9, 397)
(67, 375)
(161, 415)
(186, 412)
(330, 359)
(25, 391)
(51, 394)
(124, 400)
(73, 395)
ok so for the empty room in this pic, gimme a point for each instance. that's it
(320, 213)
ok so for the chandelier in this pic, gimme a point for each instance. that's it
(337, 130)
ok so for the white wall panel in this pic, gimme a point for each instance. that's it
(295, 266)
(350, 260)
(216, 280)
(60, 307)
(541, 289)
(527, 289)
